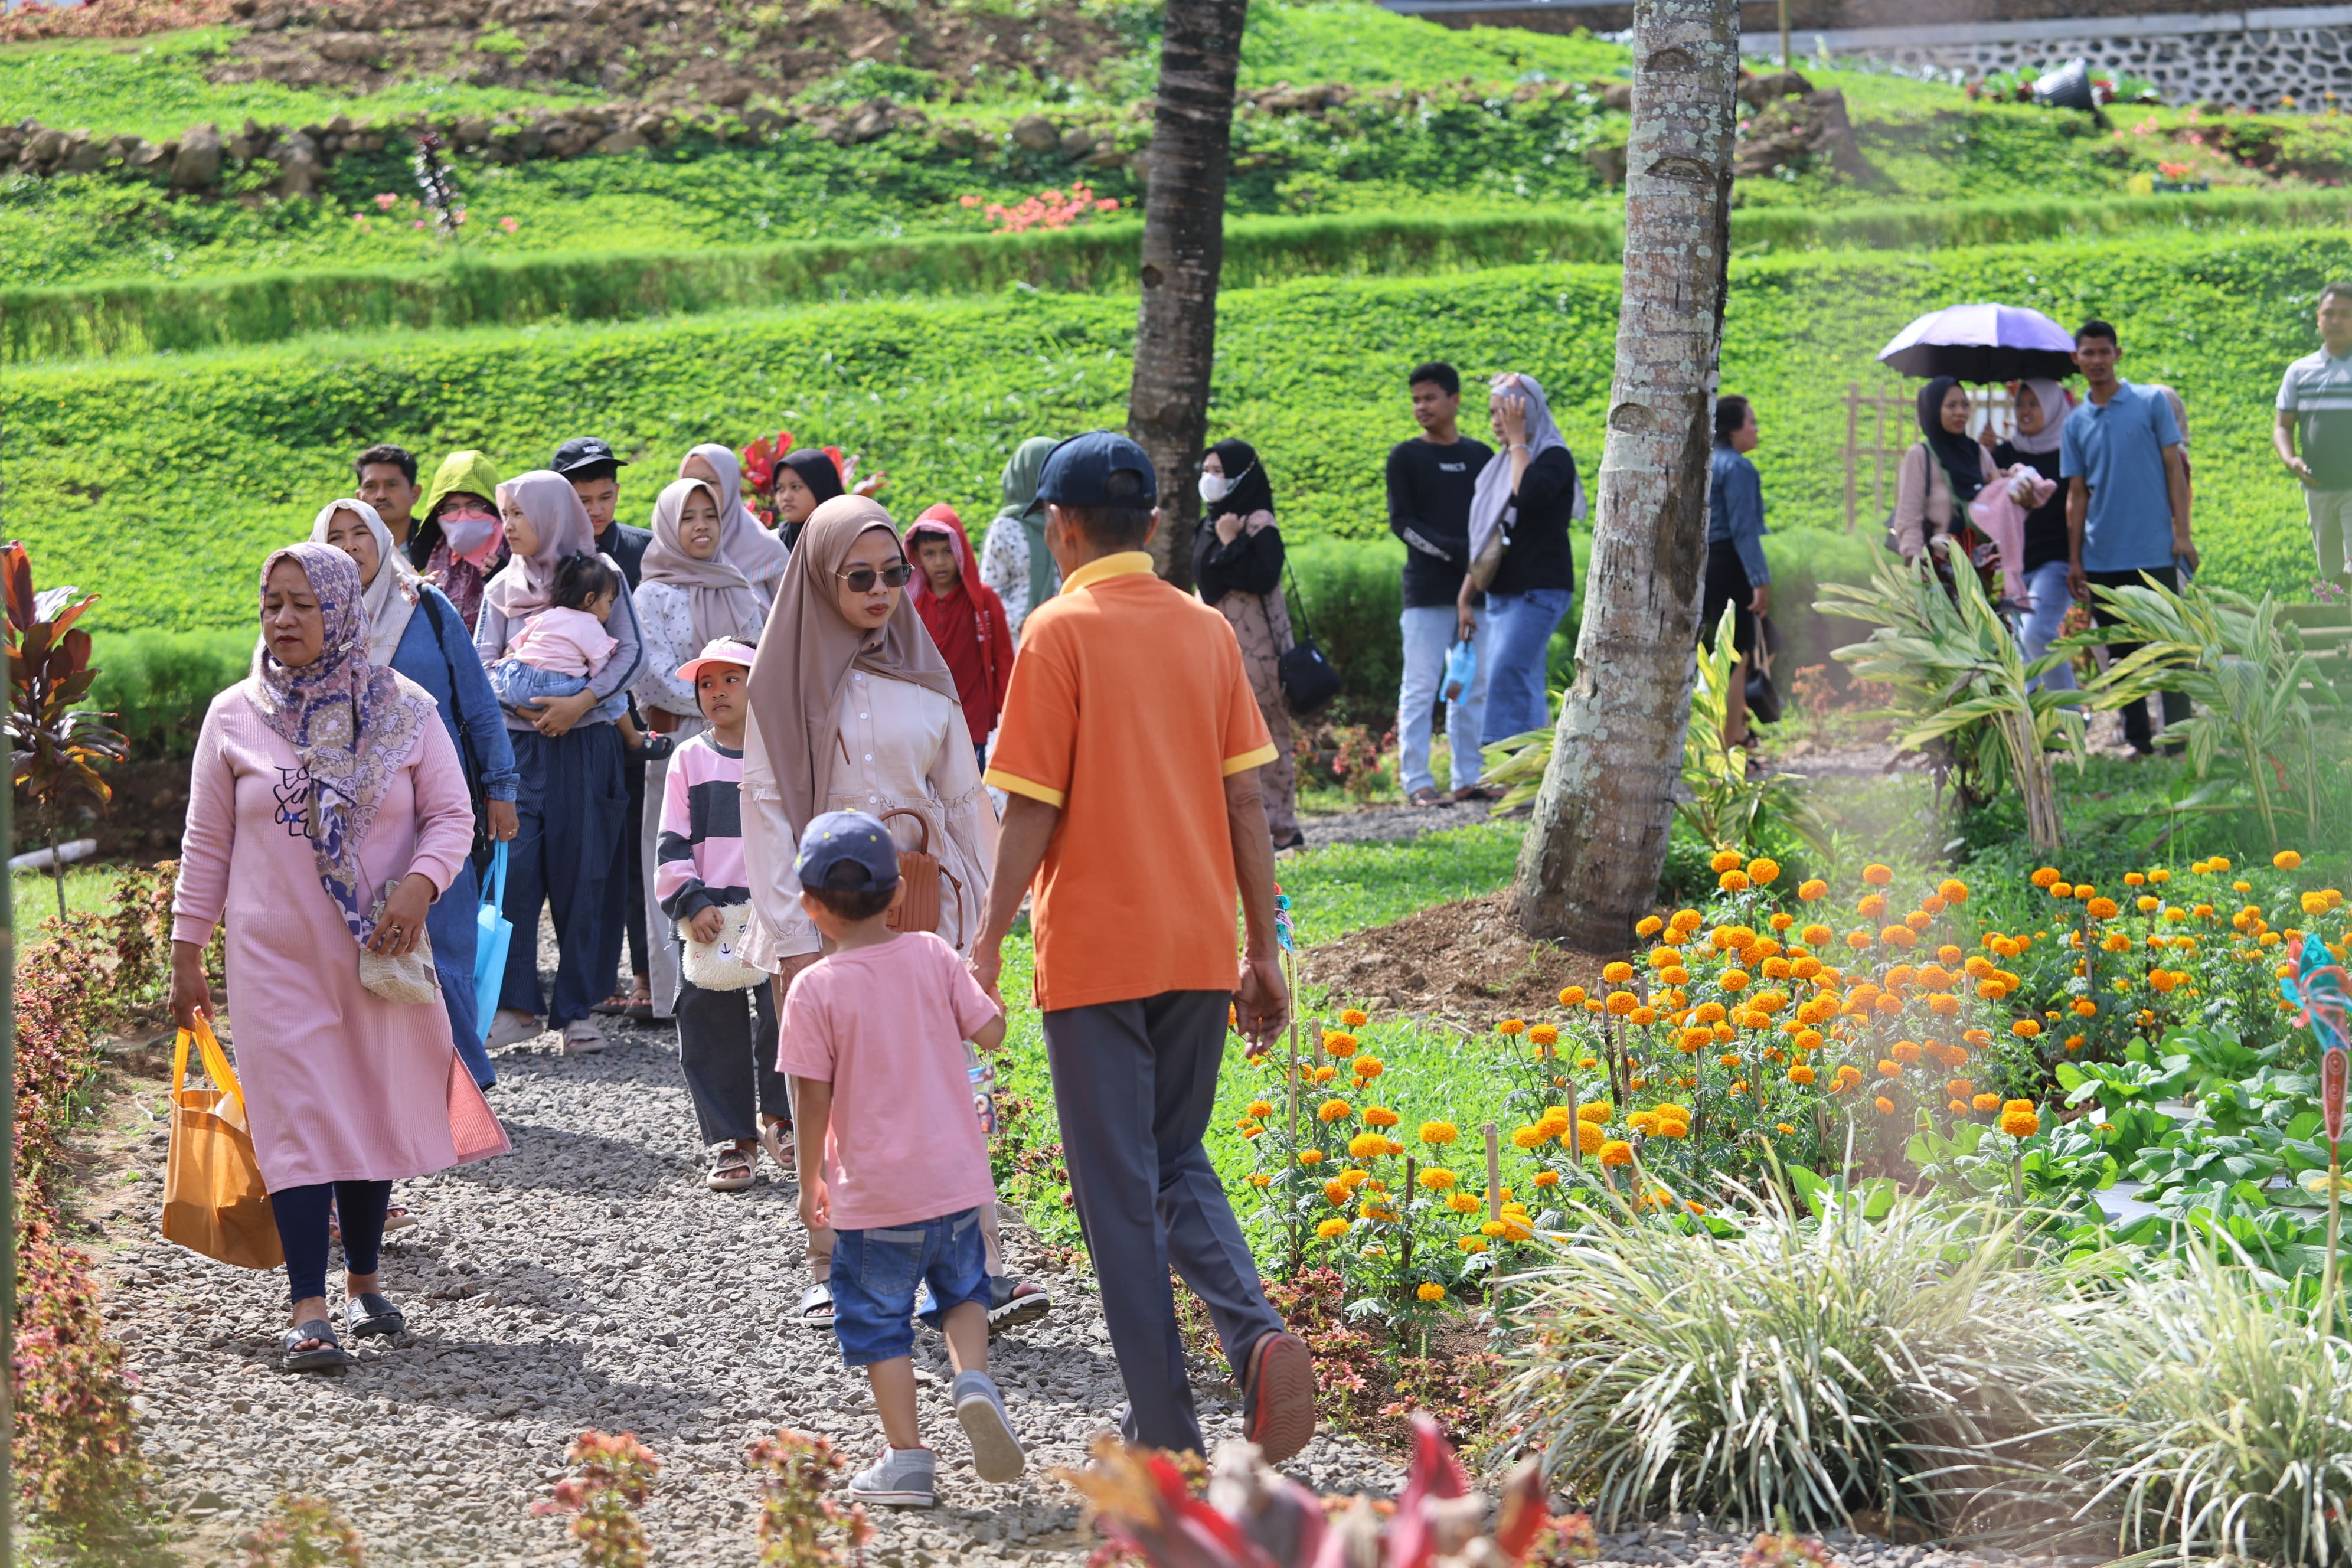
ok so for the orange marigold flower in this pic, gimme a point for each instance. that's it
(1724, 860)
(1622, 1003)
(2047, 877)
(1886, 1106)
(1987, 1101)
(1544, 1035)
(1651, 926)
(1617, 973)
(1334, 1111)
(1437, 1179)
(1369, 1067)
(1800, 1074)
(1379, 1116)
(1762, 870)
(1589, 1137)
(1310, 1157)
(1336, 1044)
(2019, 1123)
(1811, 889)
(1898, 936)
(1353, 1019)
(1616, 1152)
(1952, 890)
(2286, 860)
(1512, 1027)
(1905, 1051)
(1887, 1069)
(1876, 875)
(1733, 980)
(1815, 935)
(1547, 1178)
(1732, 881)
(1870, 906)
(1573, 996)
(1643, 1016)
(2025, 1028)
(2104, 908)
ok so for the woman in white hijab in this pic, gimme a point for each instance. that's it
(2043, 407)
(1520, 554)
(412, 626)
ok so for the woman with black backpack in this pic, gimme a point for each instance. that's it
(1237, 560)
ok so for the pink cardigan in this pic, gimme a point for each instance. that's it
(340, 1084)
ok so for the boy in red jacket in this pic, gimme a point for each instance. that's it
(965, 618)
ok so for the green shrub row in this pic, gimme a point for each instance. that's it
(137, 316)
(159, 683)
(161, 481)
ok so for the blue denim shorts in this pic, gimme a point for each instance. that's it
(874, 1273)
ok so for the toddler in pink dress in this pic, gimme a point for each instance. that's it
(562, 647)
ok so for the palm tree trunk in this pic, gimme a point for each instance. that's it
(1589, 867)
(1183, 250)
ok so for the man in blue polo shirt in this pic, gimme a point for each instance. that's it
(2314, 402)
(2126, 499)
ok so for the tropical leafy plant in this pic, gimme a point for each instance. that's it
(1960, 679)
(2266, 723)
(1723, 805)
(56, 745)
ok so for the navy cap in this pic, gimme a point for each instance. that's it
(584, 452)
(846, 835)
(1078, 472)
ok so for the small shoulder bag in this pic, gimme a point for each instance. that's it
(1309, 681)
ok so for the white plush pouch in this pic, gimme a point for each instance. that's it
(719, 965)
(411, 979)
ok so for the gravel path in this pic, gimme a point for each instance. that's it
(1391, 824)
(588, 1279)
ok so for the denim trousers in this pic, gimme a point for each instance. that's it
(1428, 634)
(570, 806)
(518, 683)
(1518, 635)
(2046, 593)
(451, 925)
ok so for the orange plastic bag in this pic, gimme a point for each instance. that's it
(214, 1202)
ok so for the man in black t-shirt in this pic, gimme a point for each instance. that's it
(1430, 479)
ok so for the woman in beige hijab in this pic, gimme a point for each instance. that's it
(854, 710)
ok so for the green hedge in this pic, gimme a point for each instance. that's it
(158, 683)
(132, 317)
(161, 482)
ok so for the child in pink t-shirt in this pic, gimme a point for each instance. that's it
(891, 1156)
(560, 649)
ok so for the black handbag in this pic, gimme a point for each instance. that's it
(1309, 681)
(1763, 697)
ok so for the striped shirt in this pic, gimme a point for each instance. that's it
(698, 860)
(2318, 388)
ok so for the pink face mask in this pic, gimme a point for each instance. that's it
(472, 535)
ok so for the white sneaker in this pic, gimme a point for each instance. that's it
(901, 1478)
(511, 1028)
(580, 1036)
(980, 1409)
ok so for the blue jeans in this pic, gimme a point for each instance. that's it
(518, 683)
(1428, 634)
(451, 924)
(570, 805)
(2045, 591)
(1518, 636)
(874, 1273)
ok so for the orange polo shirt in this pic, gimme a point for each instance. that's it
(1128, 709)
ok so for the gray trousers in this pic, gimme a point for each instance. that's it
(727, 1047)
(1134, 1086)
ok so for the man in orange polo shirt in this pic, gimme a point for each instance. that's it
(1129, 751)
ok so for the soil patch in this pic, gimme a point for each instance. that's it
(1465, 961)
(143, 822)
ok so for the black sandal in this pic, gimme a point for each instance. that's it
(328, 1353)
(369, 1313)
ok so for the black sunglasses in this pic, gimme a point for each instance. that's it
(861, 578)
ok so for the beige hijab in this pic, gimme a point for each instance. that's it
(809, 649)
(391, 595)
(752, 549)
(719, 599)
(526, 583)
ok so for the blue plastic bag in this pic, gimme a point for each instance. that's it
(492, 934)
(1460, 669)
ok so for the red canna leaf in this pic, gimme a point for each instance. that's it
(16, 562)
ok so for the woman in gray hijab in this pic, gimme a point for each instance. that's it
(1519, 554)
(1013, 557)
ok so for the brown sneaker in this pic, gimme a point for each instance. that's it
(1278, 1397)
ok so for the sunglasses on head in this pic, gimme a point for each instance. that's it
(861, 579)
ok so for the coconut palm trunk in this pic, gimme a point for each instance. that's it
(1590, 865)
(1183, 250)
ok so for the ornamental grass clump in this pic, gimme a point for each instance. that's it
(1814, 1368)
(2228, 1429)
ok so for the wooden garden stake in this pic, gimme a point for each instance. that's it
(1494, 1173)
(1405, 1248)
(1575, 1126)
(2334, 1065)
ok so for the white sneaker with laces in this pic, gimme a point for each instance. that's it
(996, 1453)
(901, 1478)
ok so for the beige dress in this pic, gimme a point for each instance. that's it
(1261, 624)
(902, 747)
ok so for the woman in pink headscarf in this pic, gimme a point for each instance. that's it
(326, 811)
(573, 798)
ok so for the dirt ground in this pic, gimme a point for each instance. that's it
(1463, 961)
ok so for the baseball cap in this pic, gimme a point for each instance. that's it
(584, 452)
(1078, 472)
(718, 650)
(851, 837)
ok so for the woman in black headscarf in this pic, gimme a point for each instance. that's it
(1937, 478)
(1237, 564)
(805, 480)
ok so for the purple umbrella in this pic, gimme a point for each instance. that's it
(1982, 342)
